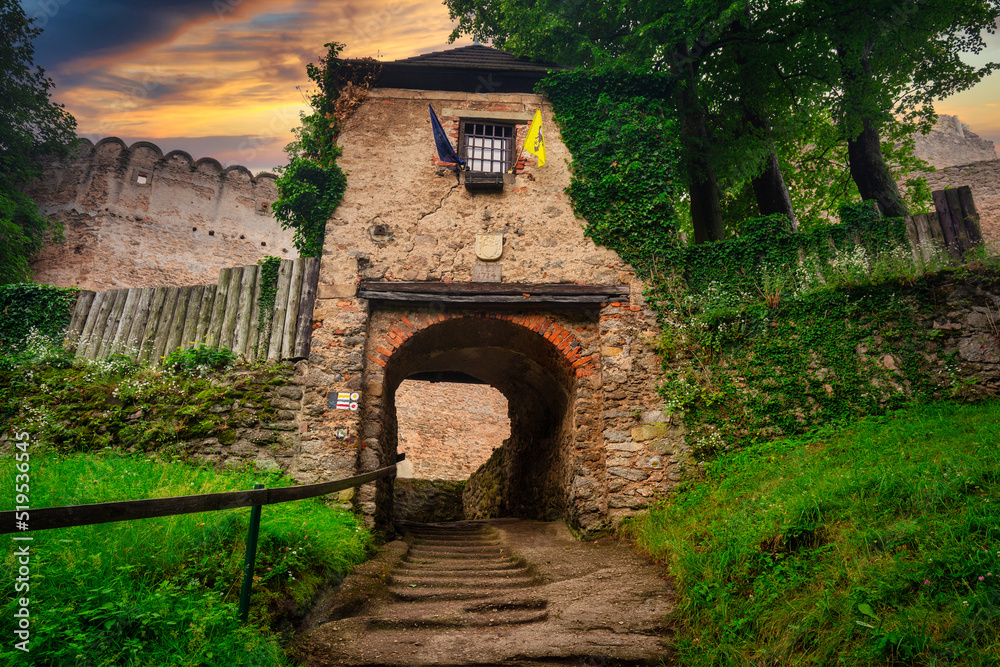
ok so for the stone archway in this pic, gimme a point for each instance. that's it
(542, 363)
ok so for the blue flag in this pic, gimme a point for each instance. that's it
(445, 151)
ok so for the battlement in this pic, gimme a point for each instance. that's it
(135, 216)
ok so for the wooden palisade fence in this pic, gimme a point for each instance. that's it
(24, 521)
(148, 323)
(954, 226)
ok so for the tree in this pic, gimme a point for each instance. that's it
(31, 126)
(687, 39)
(890, 59)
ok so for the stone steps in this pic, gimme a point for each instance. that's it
(474, 582)
(443, 614)
(461, 599)
(460, 566)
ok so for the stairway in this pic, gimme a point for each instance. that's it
(455, 594)
(460, 576)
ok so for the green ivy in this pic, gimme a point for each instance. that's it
(623, 138)
(26, 306)
(200, 359)
(766, 244)
(311, 185)
(268, 289)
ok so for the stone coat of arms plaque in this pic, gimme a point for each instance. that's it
(489, 247)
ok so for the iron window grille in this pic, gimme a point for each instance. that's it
(488, 148)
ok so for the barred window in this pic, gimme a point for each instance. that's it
(488, 148)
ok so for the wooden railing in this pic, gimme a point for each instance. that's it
(23, 521)
(148, 323)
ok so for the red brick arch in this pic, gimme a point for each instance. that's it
(562, 338)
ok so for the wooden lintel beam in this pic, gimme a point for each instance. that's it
(592, 299)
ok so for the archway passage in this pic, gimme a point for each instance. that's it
(531, 368)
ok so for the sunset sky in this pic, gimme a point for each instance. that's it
(226, 78)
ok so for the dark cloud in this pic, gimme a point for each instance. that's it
(75, 29)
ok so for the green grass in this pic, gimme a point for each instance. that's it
(159, 592)
(877, 544)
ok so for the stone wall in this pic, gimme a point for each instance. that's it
(259, 427)
(951, 143)
(448, 430)
(135, 217)
(984, 179)
(427, 500)
(429, 223)
(937, 339)
(482, 497)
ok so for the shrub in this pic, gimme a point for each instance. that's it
(200, 359)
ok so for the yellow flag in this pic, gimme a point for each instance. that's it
(534, 143)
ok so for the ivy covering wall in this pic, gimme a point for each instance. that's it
(768, 332)
(312, 185)
(27, 307)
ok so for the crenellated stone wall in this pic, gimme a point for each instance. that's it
(135, 217)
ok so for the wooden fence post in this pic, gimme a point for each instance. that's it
(251, 556)
(959, 219)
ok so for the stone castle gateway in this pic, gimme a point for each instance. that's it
(409, 288)
(428, 273)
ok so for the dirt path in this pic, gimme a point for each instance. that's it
(499, 592)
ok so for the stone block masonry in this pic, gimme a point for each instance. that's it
(573, 375)
(448, 430)
(952, 143)
(135, 217)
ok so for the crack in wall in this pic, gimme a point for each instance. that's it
(440, 205)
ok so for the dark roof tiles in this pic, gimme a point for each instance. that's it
(478, 57)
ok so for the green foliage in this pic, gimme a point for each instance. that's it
(771, 333)
(201, 359)
(76, 405)
(27, 307)
(268, 288)
(265, 301)
(623, 140)
(801, 79)
(766, 244)
(869, 545)
(311, 186)
(22, 234)
(165, 591)
(815, 165)
(32, 126)
(309, 194)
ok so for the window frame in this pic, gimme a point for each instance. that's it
(509, 148)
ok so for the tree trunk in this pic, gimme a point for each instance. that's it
(864, 150)
(706, 210)
(871, 173)
(771, 192)
(703, 187)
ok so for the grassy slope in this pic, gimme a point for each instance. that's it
(164, 591)
(878, 544)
